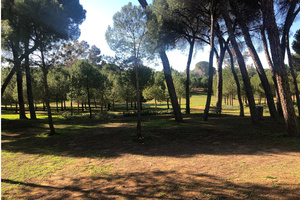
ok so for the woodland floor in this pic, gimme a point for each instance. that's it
(224, 158)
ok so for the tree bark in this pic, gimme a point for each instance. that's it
(170, 85)
(241, 63)
(211, 59)
(269, 21)
(260, 70)
(219, 75)
(236, 79)
(28, 83)
(47, 96)
(7, 79)
(22, 114)
(138, 99)
(270, 63)
(187, 83)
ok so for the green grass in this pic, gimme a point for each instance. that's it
(22, 167)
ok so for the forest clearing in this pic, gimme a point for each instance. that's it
(111, 101)
(226, 157)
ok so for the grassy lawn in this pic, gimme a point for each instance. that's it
(225, 157)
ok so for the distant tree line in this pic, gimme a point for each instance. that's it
(39, 44)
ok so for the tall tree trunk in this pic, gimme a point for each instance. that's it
(168, 76)
(219, 75)
(170, 85)
(260, 70)
(241, 62)
(187, 83)
(22, 114)
(138, 99)
(28, 83)
(270, 63)
(237, 82)
(211, 59)
(293, 73)
(47, 96)
(269, 21)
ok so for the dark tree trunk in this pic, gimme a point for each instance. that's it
(168, 106)
(236, 79)
(187, 83)
(260, 70)
(22, 114)
(219, 75)
(138, 99)
(28, 84)
(8, 78)
(170, 85)
(270, 63)
(241, 62)
(47, 96)
(211, 59)
(279, 68)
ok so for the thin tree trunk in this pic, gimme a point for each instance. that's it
(241, 62)
(28, 84)
(279, 68)
(187, 83)
(219, 76)
(170, 85)
(270, 63)
(47, 97)
(211, 59)
(138, 99)
(237, 82)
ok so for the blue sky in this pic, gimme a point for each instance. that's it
(99, 16)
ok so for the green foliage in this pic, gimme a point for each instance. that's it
(127, 35)
(296, 42)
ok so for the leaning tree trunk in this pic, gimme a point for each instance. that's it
(168, 76)
(241, 62)
(47, 96)
(211, 59)
(236, 79)
(170, 85)
(293, 73)
(260, 71)
(28, 84)
(8, 78)
(270, 63)
(187, 83)
(269, 21)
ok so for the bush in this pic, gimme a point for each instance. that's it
(66, 115)
(104, 115)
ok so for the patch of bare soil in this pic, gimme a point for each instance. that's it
(207, 163)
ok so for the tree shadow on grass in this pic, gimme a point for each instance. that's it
(81, 137)
(152, 185)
